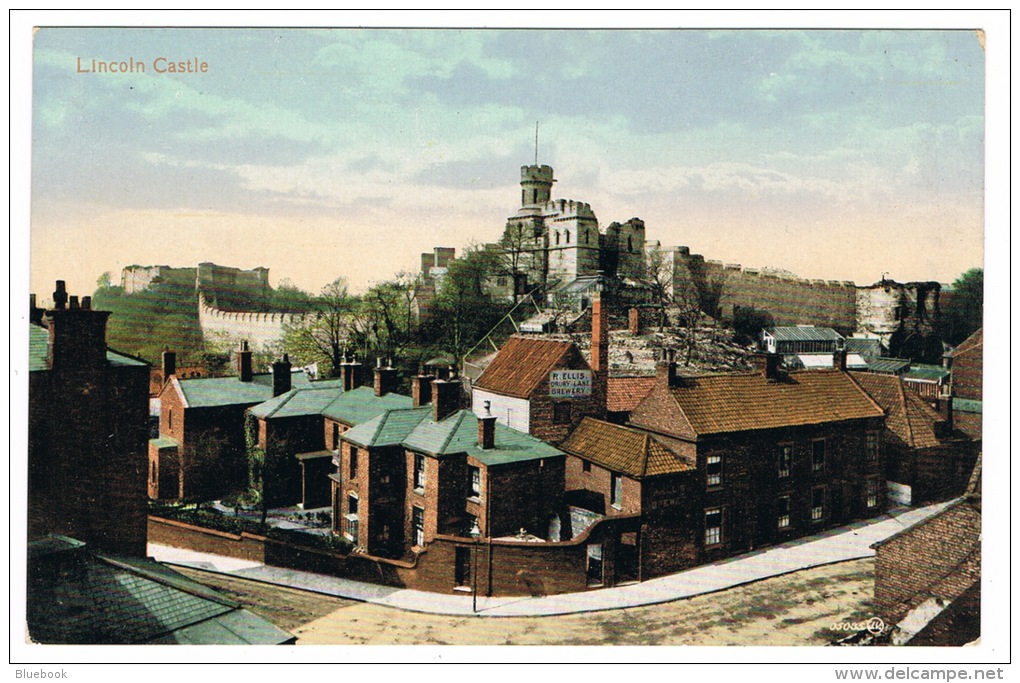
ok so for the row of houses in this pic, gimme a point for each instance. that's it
(557, 465)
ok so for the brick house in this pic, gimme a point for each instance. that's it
(965, 366)
(926, 461)
(409, 475)
(778, 455)
(543, 387)
(87, 428)
(303, 427)
(623, 394)
(929, 575)
(200, 449)
(614, 470)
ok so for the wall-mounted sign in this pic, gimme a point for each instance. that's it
(570, 384)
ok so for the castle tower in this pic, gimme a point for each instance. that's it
(536, 186)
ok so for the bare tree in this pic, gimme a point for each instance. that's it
(660, 277)
(326, 336)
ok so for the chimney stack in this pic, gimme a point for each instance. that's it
(35, 314)
(487, 429)
(666, 368)
(386, 377)
(281, 376)
(244, 363)
(599, 337)
(634, 321)
(350, 372)
(77, 336)
(768, 364)
(839, 360)
(60, 296)
(445, 397)
(169, 363)
(421, 389)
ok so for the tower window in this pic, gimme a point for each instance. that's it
(566, 237)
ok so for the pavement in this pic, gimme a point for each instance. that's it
(841, 544)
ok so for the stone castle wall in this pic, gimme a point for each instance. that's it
(263, 331)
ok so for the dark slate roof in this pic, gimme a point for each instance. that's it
(629, 451)
(889, 365)
(717, 404)
(38, 352)
(804, 333)
(77, 597)
(361, 405)
(522, 364)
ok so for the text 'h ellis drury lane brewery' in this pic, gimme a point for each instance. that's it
(531, 468)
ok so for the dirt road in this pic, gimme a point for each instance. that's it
(796, 609)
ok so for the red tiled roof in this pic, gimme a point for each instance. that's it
(717, 404)
(972, 342)
(522, 364)
(908, 417)
(624, 393)
(626, 450)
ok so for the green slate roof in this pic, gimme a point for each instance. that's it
(415, 430)
(966, 405)
(931, 373)
(299, 402)
(210, 392)
(38, 351)
(890, 365)
(361, 405)
(388, 429)
(458, 433)
(77, 597)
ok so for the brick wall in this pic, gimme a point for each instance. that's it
(541, 407)
(910, 562)
(522, 495)
(598, 483)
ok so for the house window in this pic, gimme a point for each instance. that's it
(713, 469)
(585, 466)
(351, 520)
(713, 526)
(462, 567)
(475, 479)
(170, 418)
(418, 525)
(818, 504)
(616, 490)
(419, 471)
(783, 512)
(871, 492)
(354, 462)
(872, 446)
(561, 413)
(594, 552)
(818, 455)
(336, 436)
(785, 460)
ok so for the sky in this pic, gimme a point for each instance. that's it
(319, 153)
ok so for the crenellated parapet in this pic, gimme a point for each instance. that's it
(261, 329)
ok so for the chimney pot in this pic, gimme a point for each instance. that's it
(74, 302)
(86, 303)
(60, 296)
(245, 371)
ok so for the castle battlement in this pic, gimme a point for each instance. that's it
(262, 329)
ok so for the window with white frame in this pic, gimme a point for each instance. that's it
(419, 471)
(785, 459)
(713, 470)
(818, 455)
(818, 504)
(474, 481)
(871, 492)
(351, 519)
(713, 526)
(418, 525)
(616, 490)
(783, 512)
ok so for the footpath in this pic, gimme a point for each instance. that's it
(834, 545)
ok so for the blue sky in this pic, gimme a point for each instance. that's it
(317, 153)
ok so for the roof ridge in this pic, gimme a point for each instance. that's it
(646, 454)
(449, 437)
(288, 395)
(185, 585)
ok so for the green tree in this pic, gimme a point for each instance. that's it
(964, 311)
(748, 322)
(326, 338)
(464, 312)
